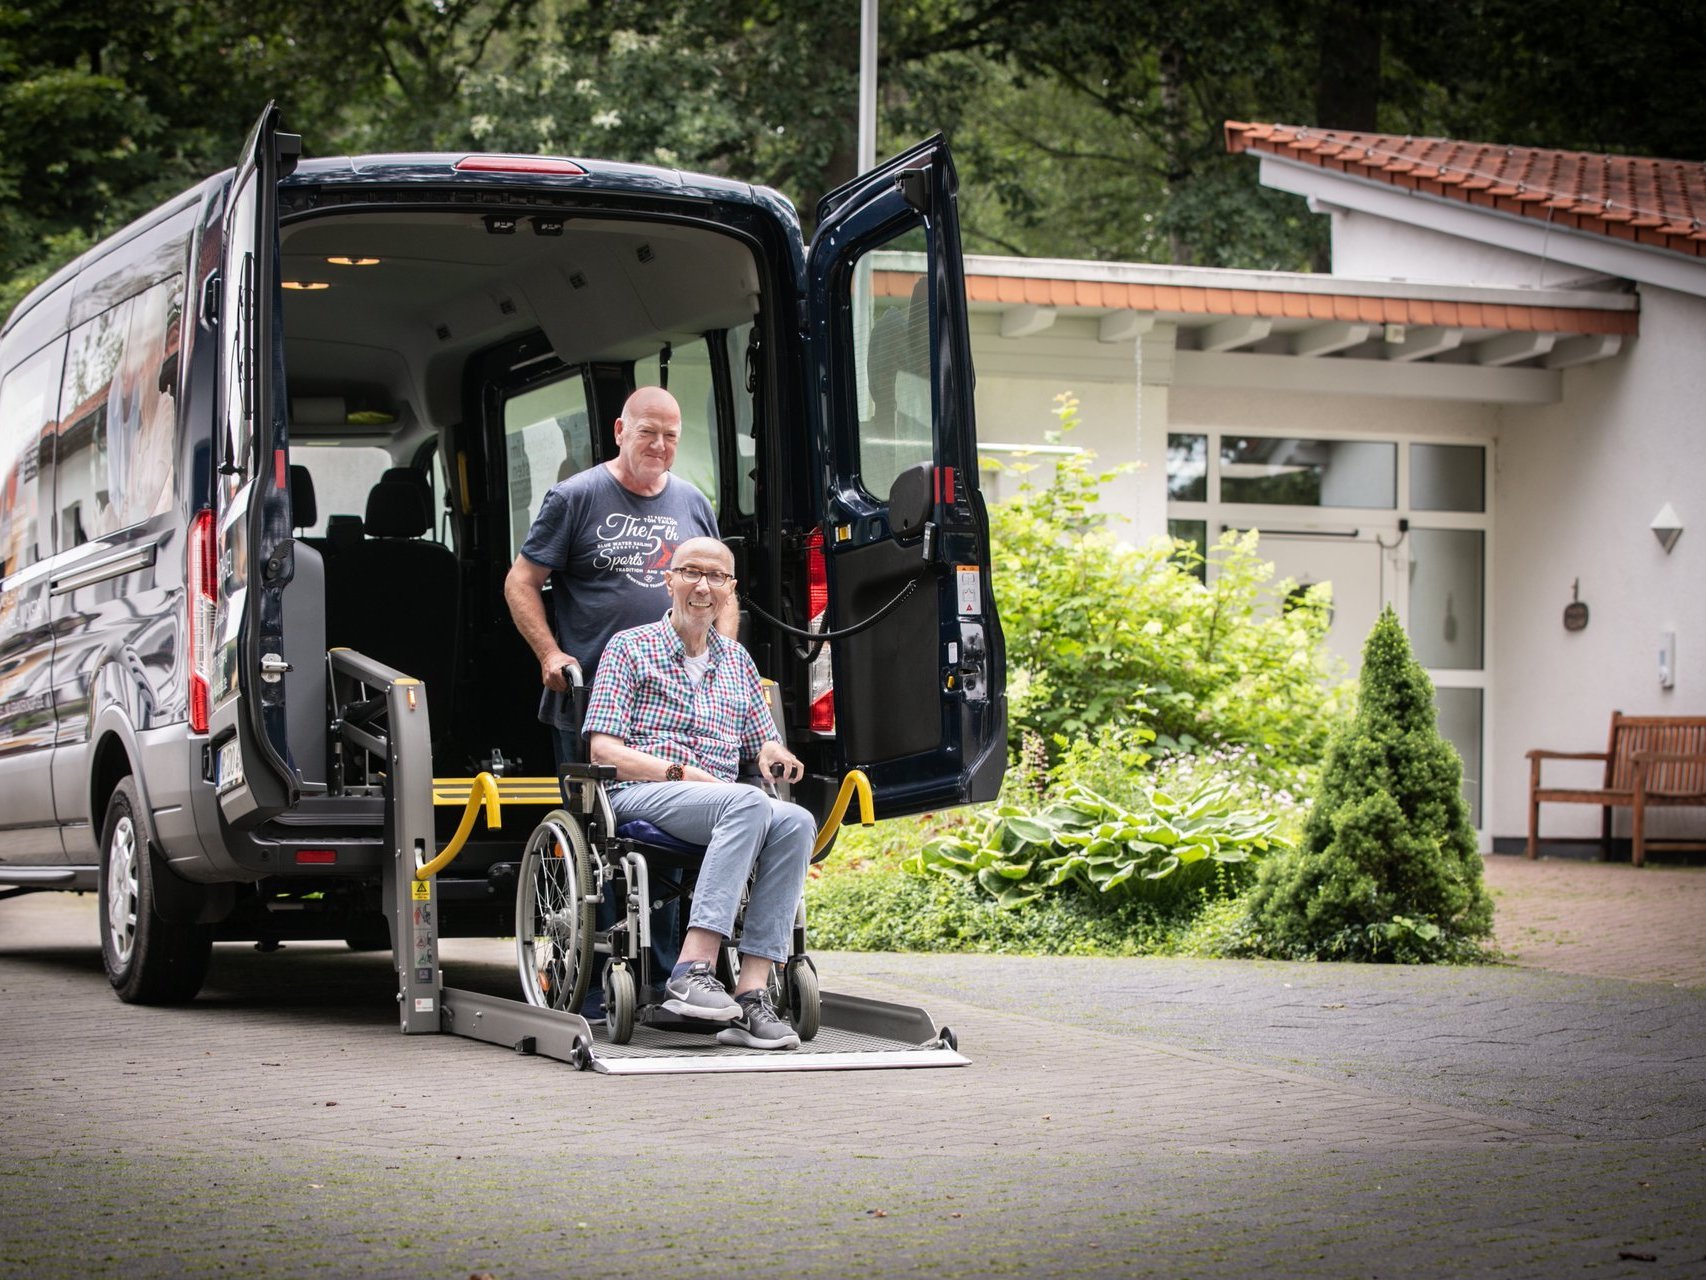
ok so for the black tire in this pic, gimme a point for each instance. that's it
(805, 1001)
(553, 916)
(619, 1002)
(370, 931)
(148, 960)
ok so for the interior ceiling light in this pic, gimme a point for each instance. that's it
(353, 262)
(306, 286)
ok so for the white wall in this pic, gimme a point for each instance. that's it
(1577, 485)
(1369, 247)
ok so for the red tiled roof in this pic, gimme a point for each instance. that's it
(1197, 300)
(1660, 203)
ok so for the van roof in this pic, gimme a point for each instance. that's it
(597, 175)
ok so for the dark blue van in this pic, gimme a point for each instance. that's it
(205, 426)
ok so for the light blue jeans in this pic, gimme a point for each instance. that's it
(747, 835)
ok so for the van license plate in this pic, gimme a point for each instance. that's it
(230, 767)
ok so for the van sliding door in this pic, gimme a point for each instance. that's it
(919, 696)
(253, 536)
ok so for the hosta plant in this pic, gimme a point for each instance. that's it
(1158, 848)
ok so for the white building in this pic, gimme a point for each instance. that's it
(1476, 418)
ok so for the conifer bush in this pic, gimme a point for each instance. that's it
(1388, 868)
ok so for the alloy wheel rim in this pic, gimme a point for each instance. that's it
(122, 890)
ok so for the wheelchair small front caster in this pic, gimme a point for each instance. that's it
(804, 1002)
(619, 1002)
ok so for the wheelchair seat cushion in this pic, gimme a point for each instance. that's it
(645, 833)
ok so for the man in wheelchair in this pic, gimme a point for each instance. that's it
(675, 708)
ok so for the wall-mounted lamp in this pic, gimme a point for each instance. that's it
(1667, 527)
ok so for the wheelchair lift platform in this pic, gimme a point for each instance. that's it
(383, 714)
(858, 1034)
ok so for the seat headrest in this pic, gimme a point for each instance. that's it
(342, 531)
(397, 509)
(302, 510)
(409, 475)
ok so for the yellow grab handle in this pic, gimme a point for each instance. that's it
(485, 787)
(854, 783)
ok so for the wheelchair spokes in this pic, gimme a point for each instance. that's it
(554, 914)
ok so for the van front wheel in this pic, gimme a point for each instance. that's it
(148, 960)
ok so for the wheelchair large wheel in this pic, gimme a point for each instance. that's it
(554, 914)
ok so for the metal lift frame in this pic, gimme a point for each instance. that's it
(872, 1034)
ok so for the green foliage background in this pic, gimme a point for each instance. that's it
(1083, 128)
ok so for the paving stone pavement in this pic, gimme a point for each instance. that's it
(1120, 1118)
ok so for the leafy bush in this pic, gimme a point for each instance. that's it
(883, 908)
(1161, 849)
(1388, 868)
(1099, 632)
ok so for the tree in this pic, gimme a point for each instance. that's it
(1388, 868)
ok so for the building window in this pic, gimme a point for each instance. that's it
(1287, 471)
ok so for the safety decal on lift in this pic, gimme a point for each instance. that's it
(969, 582)
(421, 891)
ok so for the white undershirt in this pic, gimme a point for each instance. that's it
(696, 665)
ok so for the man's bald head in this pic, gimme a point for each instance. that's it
(706, 553)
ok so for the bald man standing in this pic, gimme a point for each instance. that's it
(603, 538)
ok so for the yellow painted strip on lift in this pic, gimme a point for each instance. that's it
(855, 783)
(451, 791)
(484, 788)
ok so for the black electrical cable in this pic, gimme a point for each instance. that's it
(819, 637)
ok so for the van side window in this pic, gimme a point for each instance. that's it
(546, 439)
(891, 333)
(29, 403)
(118, 451)
(690, 384)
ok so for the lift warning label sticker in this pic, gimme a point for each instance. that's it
(421, 891)
(969, 589)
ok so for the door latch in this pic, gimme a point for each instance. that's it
(273, 667)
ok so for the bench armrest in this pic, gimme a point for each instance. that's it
(1566, 755)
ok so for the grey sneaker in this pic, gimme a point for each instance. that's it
(760, 1026)
(698, 994)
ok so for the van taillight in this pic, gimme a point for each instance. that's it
(201, 595)
(817, 595)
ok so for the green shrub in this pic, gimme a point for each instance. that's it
(1388, 867)
(883, 908)
(1160, 849)
(1099, 632)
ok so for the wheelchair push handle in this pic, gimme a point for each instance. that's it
(571, 674)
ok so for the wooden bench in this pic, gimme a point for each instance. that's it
(1651, 760)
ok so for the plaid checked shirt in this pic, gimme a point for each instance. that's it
(642, 695)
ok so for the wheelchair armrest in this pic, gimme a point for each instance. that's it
(588, 772)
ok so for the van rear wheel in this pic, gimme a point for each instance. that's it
(148, 960)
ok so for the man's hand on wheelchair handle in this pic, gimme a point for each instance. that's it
(776, 761)
(551, 670)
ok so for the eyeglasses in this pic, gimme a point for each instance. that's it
(712, 577)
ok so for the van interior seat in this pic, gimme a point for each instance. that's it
(394, 595)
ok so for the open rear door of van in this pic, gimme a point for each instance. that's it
(920, 695)
(253, 544)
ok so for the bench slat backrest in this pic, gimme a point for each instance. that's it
(1681, 735)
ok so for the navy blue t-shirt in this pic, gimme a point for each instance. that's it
(607, 549)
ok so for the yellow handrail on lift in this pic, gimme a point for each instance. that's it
(855, 783)
(482, 788)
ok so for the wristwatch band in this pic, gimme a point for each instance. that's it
(673, 773)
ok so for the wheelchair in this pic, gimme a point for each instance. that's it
(576, 858)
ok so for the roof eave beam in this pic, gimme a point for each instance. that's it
(1233, 333)
(1023, 322)
(1513, 348)
(1325, 339)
